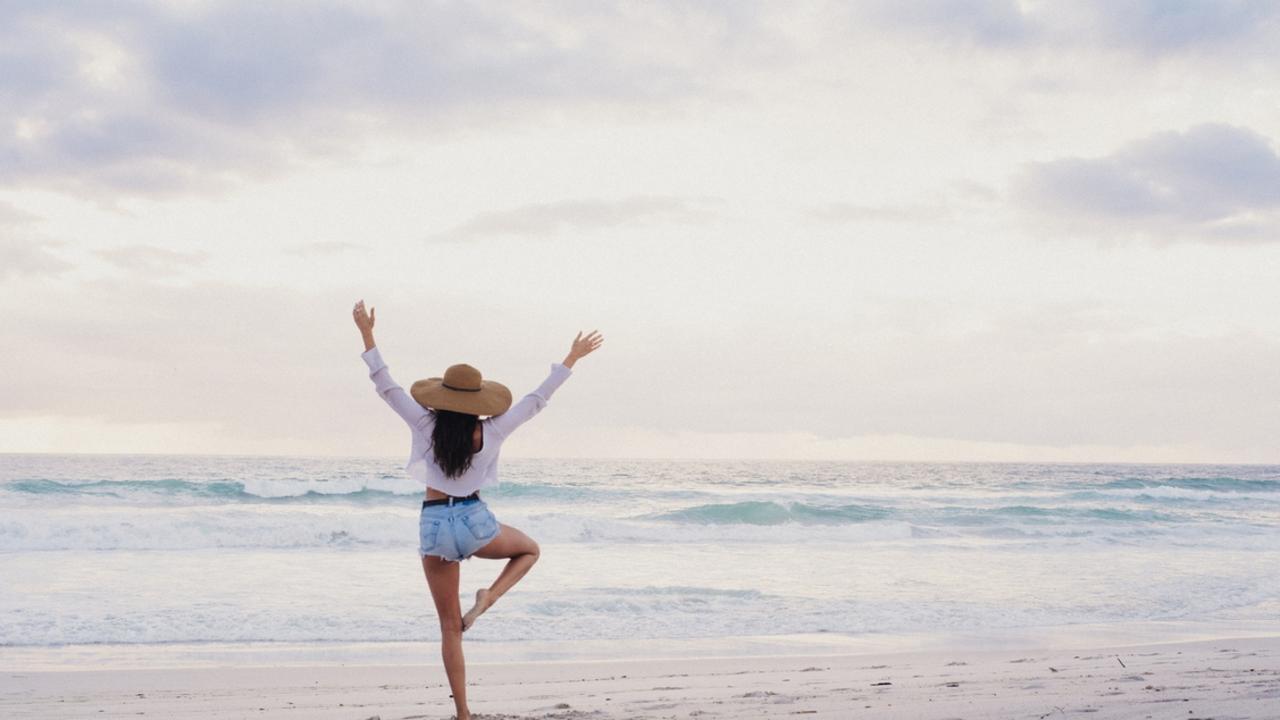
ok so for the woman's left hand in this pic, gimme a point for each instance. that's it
(583, 346)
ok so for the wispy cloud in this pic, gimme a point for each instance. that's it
(842, 212)
(148, 258)
(28, 257)
(11, 216)
(22, 252)
(323, 247)
(1212, 182)
(545, 219)
(944, 202)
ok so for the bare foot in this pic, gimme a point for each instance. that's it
(482, 604)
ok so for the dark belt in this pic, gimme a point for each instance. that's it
(451, 500)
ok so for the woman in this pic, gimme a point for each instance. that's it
(455, 453)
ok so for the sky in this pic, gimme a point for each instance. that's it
(945, 230)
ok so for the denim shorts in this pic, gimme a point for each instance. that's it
(455, 532)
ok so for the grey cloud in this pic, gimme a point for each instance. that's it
(130, 152)
(1157, 26)
(250, 59)
(549, 218)
(1150, 27)
(148, 258)
(206, 94)
(1211, 182)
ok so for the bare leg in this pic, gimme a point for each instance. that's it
(523, 553)
(442, 578)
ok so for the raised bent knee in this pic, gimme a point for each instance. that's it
(535, 552)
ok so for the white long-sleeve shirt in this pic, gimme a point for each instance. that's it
(484, 464)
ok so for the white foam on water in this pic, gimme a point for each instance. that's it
(252, 527)
(275, 488)
(315, 550)
(1169, 492)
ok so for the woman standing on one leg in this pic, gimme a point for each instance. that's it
(454, 453)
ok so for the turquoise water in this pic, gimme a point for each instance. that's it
(156, 550)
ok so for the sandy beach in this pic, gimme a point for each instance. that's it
(1230, 678)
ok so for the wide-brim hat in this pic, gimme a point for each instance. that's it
(462, 389)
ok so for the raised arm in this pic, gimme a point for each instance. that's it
(405, 406)
(531, 404)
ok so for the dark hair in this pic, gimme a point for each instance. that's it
(452, 440)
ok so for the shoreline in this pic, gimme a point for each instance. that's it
(219, 654)
(1235, 677)
(394, 459)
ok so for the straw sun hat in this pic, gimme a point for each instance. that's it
(463, 390)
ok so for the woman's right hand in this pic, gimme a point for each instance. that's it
(583, 346)
(364, 321)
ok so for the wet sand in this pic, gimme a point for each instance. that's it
(1217, 679)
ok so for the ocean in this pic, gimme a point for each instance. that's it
(202, 558)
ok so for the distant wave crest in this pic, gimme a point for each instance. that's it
(773, 513)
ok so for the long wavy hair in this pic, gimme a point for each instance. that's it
(452, 441)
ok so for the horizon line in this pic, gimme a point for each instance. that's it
(888, 461)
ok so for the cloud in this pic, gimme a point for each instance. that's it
(1157, 26)
(1211, 182)
(22, 253)
(155, 98)
(21, 257)
(11, 216)
(945, 202)
(151, 259)
(1147, 27)
(549, 218)
(982, 22)
(841, 212)
(323, 247)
